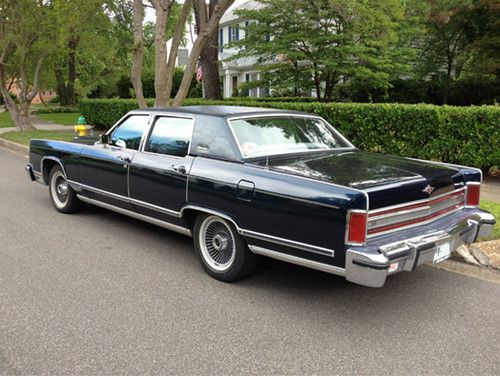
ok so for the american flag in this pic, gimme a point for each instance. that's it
(199, 71)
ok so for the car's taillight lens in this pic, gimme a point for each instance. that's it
(473, 190)
(357, 227)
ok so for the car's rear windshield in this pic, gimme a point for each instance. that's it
(265, 136)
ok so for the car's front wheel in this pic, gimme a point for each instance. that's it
(222, 251)
(63, 197)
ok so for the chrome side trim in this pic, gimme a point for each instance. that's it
(289, 243)
(126, 199)
(298, 260)
(261, 236)
(157, 222)
(211, 211)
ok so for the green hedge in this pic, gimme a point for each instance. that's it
(462, 135)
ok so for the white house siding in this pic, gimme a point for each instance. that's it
(236, 72)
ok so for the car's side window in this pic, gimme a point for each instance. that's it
(170, 136)
(129, 133)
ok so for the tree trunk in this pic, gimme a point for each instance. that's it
(162, 10)
(200, 42)
(70, 88)
(317, 82)
(61, 87)
(210, 54)
(176, 41)
(138, 49)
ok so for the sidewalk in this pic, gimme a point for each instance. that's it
(490, 190)
(43, 125)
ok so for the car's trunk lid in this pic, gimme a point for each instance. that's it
(388, 180)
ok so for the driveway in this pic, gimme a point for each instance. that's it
(97, 292)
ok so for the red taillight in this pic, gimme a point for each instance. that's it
(356, 233)
(473, 194)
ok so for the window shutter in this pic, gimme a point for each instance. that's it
(229, 34)
(221, 39)
(237, 32)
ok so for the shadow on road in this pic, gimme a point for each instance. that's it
(305, 286)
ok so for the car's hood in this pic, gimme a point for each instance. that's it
(402, 178)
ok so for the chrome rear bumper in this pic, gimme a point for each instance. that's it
(403, 251)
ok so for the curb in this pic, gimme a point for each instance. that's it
(14, 146)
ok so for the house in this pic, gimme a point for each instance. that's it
(235, 72)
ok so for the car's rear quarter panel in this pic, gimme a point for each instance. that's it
(283, 206)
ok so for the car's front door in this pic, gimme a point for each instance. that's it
(158, 174)
(104, 167)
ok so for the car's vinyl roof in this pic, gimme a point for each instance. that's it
(221, 111)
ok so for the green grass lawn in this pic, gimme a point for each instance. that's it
(5, 120)
(494, 208)
(25, 137)
(68, 118)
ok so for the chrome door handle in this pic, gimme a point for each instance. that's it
(125, 159)
(181, 169)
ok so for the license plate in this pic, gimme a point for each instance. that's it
(442, 253)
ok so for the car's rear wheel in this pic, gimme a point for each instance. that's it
(222, 251)
(63, 197)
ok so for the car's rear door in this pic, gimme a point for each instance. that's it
(104, 167)
(159, 172)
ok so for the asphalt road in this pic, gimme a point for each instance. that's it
(99, 293)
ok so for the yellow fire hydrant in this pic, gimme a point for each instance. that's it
(81, 126)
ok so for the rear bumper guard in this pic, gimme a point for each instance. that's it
(369, 268)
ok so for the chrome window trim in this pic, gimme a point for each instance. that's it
(147, 135)
(284, 114)
(122, 119)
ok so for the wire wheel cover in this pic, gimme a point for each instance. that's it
(59, 187)
(217, 243)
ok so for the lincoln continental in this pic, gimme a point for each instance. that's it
(249, 182)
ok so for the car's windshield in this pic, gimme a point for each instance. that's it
(265, 136)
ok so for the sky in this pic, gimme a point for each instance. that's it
(150, 13)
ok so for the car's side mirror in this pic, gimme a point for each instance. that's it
(121, 144)
(104, 139)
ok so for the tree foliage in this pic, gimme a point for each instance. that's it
(318, 44)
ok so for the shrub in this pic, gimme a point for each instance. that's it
(462, 135)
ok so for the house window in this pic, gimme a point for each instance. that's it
(236, 32)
